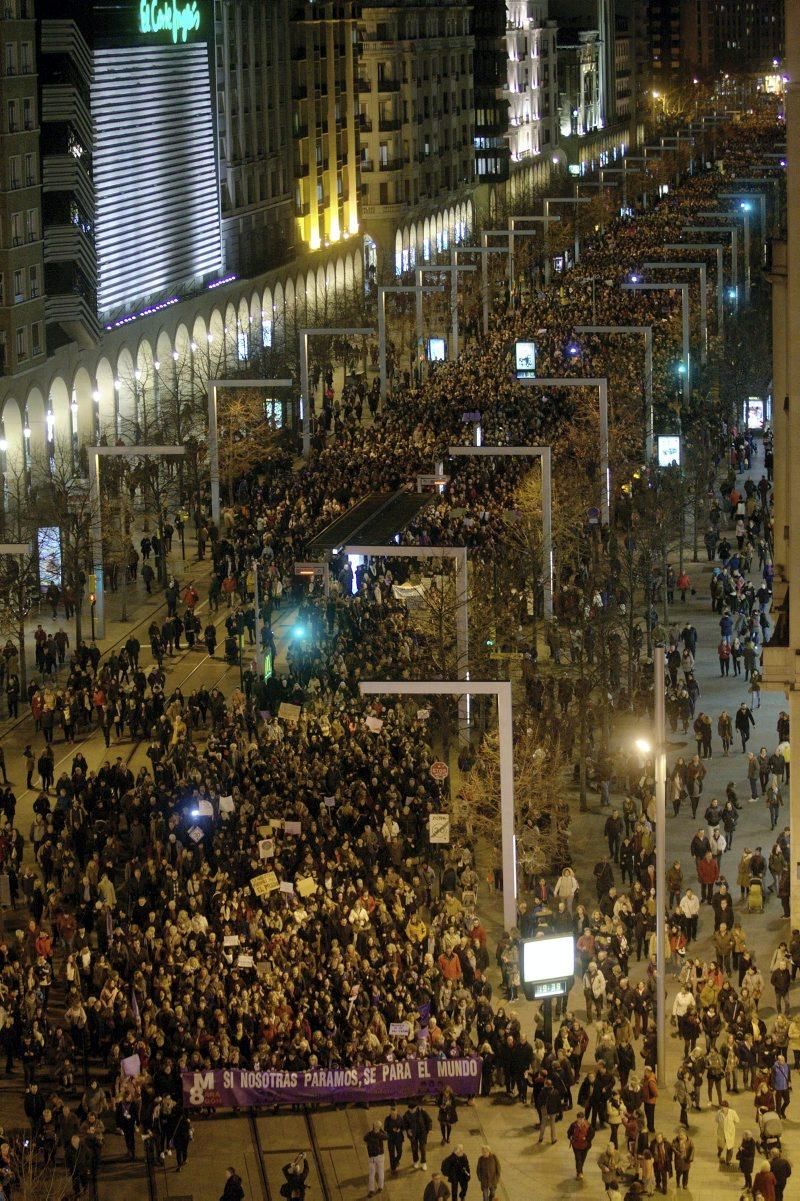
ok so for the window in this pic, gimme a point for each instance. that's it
(27, 113)
(26, 58)
(36, 338)
(19, 293)
(33, 281)
(30, 177)
(11, 58)
(32, 225)
(2, 288)
(12, 112)
(22, 343)
(14, 171)
(16, 229)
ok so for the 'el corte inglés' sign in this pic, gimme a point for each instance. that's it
(173, 17)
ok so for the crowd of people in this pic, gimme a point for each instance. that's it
(141, 911)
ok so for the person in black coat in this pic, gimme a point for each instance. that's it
(418, 1125)
(393, 1125)
(295, 1175)
(457, 1172)
(233, 1190)
(180, 1134)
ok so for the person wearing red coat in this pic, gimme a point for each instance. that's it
(764, 1182)
(708, 874)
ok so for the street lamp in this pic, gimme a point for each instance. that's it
(647, 330)
(213, 426)
(502, 690)
(683, 288)
(702, 268)
(538, 452)
(576, 200)
(94, 454)
(417, 289)
(658, 748)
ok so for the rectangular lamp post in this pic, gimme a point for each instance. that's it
(213, 426)
(586, 183)
(509, 249)
(576, 200)
(720, 280)
(484, 252)
(545, 222)
(602, 390)
(539, 452)
(733, 233)
(459, 556)
(658, 749)
(305, 399)
(452, 269)
(683, 288)
(418, 289)
(94, 453)
(702, 268)
(502, 690)
(647, 330)
(723, 216)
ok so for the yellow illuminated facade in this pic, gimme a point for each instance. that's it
(324, 58)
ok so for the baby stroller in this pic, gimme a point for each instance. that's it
(755, 895)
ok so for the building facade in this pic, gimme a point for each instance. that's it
(22, 340)
(324, 41)
(416, 124)
(255, 134)
(532, 87)
(492, 151)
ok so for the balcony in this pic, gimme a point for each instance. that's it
(364, 124)
(363, 85)
(388, 85)
(65, 173)
(392, 164)
(76, 314)
(69, 244)
(389, 125)
(366, 166)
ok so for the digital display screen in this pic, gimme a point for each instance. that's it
(49, 541)
(525, 359)
(669, 450)
(546, 959)
(437, 350)
(754, 413)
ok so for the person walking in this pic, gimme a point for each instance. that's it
(725, 730)
(487, 1169)
(650, 1096)
(579, 1136)
(781, 1169)
(417, 1124)
(393, 1125)
(682, 1158)
(375, 1138)
(233, 1190)
(726, 1122)
(437, 1190)
(456, 1170)
(743, 721)
(764, 1182)
(746, 1156)
(549, 1103)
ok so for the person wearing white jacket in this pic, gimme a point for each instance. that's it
(727, 1122)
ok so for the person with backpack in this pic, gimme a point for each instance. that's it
(579, 1136)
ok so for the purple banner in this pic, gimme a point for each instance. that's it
(370, 1082)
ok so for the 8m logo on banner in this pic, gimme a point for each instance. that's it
(169, 16)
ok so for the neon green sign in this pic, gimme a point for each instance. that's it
(169, 16)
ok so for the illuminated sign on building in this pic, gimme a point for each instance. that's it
(169, 16)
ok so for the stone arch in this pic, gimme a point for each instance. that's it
(315, 300)
(105, 399)
(267, 318)
(59, 418)
(350, 274)
(35, 413)
(279, 309)
(255, 319)
(11, 458)
(340, 280)
(398, 253)
(182, 342)
(243, 338)
(290, 322)
(126, 387)
(303, 314)
(81, 394)
(426, 241)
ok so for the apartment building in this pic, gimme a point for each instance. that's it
(22, 341)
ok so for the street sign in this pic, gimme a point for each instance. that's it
(593, 515)
(439, 828)
(440, 771)
(308, 568)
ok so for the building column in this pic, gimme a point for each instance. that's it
(780, 421)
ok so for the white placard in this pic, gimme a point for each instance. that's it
(439, 828)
